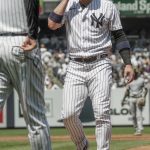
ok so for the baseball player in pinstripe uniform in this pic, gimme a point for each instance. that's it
(89, 25)
(20, 66)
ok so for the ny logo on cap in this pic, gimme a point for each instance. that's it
(97, 21)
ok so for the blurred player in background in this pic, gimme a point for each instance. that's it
(20, 66)
(135, 96)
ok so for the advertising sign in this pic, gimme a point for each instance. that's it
(53, 99)
(121, 115)
(133, 8)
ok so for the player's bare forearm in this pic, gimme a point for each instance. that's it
(146, 90)
(126, 95)
(58, 12)
(60, 9)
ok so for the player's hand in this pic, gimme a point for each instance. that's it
(128, 73)
(29, 44)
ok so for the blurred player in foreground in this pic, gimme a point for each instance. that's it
(135, 96)
(20, 66)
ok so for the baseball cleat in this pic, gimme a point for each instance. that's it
(86, 146)
(138, 133)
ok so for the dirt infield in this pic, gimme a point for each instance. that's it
(125, 137)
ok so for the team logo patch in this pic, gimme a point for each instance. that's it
(97, 21)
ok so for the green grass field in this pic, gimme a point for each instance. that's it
(68, 145)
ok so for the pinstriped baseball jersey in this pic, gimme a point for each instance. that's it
(89, 34)
(19, 16)
(23, 70)
(12, 16)
(90, 27)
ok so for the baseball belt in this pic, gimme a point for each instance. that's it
(136, 96)
(89, 59)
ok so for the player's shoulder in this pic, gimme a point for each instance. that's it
(109, 4)
(71, 4)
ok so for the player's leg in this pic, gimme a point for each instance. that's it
(139, 117)
(74, 96)
(27, 77)
(5, 88)
(5, 82)
(99, 92)
(132, 106)
(33, 104)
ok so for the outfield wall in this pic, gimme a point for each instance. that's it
(120, 116)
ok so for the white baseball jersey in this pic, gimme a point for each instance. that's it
(13, 16)
(136, 87)
(89, 34)
(23, 71)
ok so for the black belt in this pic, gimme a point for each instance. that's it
(89, 59)
(136, 96)
(13, 34)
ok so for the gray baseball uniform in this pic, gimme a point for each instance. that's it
(136, 92)
(23, 70)
(88, 33)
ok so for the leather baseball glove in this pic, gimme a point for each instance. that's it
(141, 102)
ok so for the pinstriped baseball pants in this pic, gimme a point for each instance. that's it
(27, 78)
(82, 80)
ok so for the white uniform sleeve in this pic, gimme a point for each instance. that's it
(64, 18)
(115, 23)
(66, 13)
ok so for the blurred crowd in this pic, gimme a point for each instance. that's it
(55, 60)
(141, 63)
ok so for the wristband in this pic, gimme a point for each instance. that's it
(55, 17)
(122, 45)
